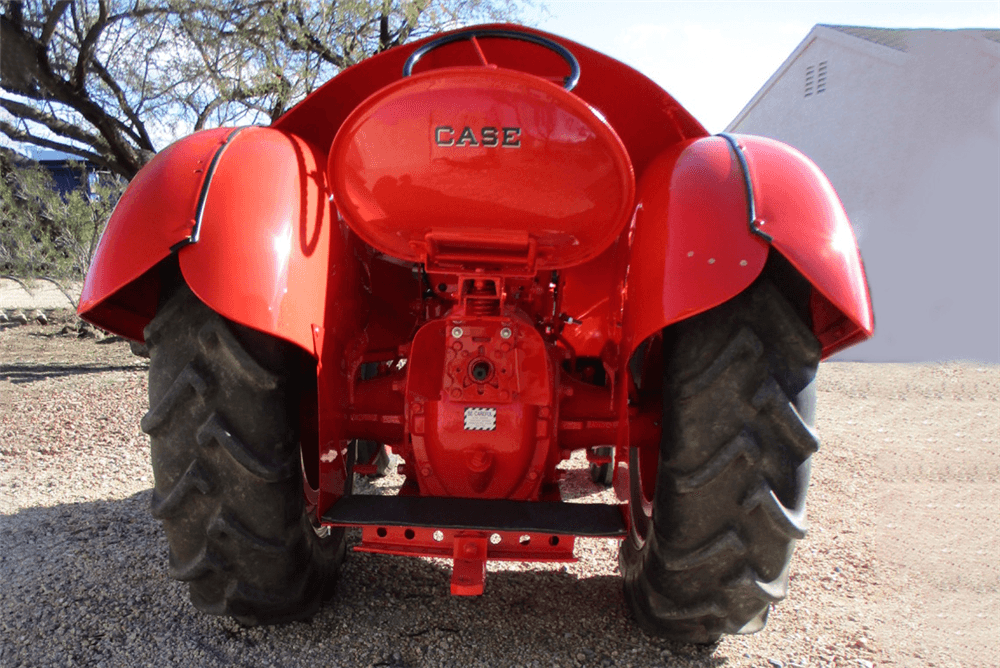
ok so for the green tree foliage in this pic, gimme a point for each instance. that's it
(113, 80)
(44, 232)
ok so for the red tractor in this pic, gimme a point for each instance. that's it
(484, 251)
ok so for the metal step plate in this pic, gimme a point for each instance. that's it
(570, 519)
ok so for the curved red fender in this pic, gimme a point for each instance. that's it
(798, 208)
(156, 212)
(691, 246)
(270, 254)
(247, 212)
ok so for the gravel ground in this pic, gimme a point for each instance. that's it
(900, 567)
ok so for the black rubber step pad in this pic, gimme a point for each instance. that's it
(570, 519)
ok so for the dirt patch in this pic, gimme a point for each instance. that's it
(925, 441)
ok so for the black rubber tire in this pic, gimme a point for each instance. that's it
(139, 349)
(223, 424)
(603, 474)
(729, 501)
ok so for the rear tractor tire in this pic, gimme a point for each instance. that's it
(717, 513)
(224, 429)
(603, 474)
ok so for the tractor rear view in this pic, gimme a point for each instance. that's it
(483, 252)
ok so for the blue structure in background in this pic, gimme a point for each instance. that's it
(68, 171)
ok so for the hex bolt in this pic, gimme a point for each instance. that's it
(505, 333)
(457, 332)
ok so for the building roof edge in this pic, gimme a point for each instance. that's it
(778, 73)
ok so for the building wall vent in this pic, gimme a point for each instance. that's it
(815, 79)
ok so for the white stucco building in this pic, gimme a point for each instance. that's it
(906, 123)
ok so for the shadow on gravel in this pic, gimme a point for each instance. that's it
(85, 585)
(29, 373)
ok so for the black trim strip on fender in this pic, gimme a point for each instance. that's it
(203, 196)
(747, 184)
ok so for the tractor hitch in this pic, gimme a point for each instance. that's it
(474, 531)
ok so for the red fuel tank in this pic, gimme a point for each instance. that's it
(470, 167)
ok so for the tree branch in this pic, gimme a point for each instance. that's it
(312, 44)
(384, 41)
(57, 126)
(18, 59)
(408, 26)
(52, 20)
(87, 47)
(138, 129)
(122, 64)
(27, 137)
(206, 112)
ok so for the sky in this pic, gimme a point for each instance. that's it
(713, 57)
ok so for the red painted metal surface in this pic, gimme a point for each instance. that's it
(799, 209)
(394, 308)
(267, 239)
(157, 211)
(469, 566)
(470, 167)
(430, 542)
(333, 390)
(591, 296)
(479, 408)
(270, 254)
(647, 119)
(377, 409)
(690, 248)
(468, 571)
(680, 264)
